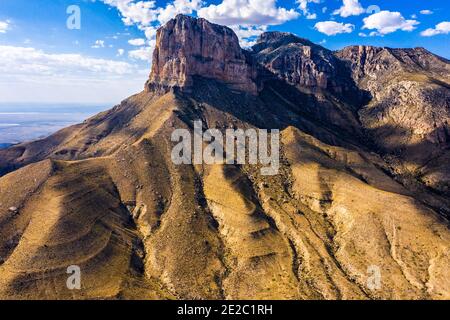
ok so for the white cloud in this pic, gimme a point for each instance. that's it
(99, 44)
(350, 8)
(137, 42)
(150, 32)
(248, 18)
(248, 34)
(303, 6)
(143, 53)
(146, 13)
(385, 22)
(4, 26)
(177, 7)
(247, 12)
(65, 77)
(331, 28)
(31, 61)
(120, 52)
(141, 13)
(441, 28)
(426, 12)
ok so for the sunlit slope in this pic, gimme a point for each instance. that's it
(139, 226)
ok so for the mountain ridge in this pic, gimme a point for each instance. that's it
(105, 195)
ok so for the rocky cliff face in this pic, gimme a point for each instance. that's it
(295, 60)
(375, 62)
(188, 47)
(409, 113)
(313, 70)
(302, 63)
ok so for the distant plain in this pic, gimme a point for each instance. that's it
(26, 122)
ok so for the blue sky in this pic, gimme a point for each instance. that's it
(108, 58)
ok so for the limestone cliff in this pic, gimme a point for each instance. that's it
(188, 47)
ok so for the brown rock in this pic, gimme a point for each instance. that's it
(410, 95)
(188, 47)
(302, 63)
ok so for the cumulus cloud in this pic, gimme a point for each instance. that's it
(31, 61)
(120, 52)
(426, 12)
(145, 13)
(65, 77)
(441, 28)
(178, 7)
(385, 22)
(141, 13)
(137, 42)
(331, 28)
(303, 6)
(349, 8)
(4, 26)
(143, 53)
(247, 12)
(248, 18)
(248, 34)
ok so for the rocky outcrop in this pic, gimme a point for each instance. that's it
(410, 91)
(314, 71)
(188, 47)
(375, 62)
(409, 114)
(293, 59)
(368, 62)
(304, 64)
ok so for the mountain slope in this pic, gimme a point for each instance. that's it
(409, 113)
(106, 196)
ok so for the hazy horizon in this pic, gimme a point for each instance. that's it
(21, 122)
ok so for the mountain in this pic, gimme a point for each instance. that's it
(409, 113)
(359, 209)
